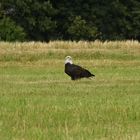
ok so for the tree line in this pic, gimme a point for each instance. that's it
(44, 20)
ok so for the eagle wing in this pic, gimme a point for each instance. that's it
(78, 71)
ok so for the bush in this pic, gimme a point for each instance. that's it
(79, 29)
(9, 31)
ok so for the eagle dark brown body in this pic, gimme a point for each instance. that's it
(75, 71)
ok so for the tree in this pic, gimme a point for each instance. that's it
(9, 31)
(36, 17)
(75, 19)
(80, 30)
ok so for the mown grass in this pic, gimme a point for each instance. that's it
(38, 101)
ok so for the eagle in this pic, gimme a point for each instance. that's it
(75, 71)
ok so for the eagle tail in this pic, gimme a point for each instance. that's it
(92, 75)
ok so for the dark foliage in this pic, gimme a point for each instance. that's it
(46, 20)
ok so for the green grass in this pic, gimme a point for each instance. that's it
(38, 101)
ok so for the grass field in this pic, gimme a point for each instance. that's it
(38, 101)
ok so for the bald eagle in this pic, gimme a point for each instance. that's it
(75, 71)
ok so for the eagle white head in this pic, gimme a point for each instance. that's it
(68, 59)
